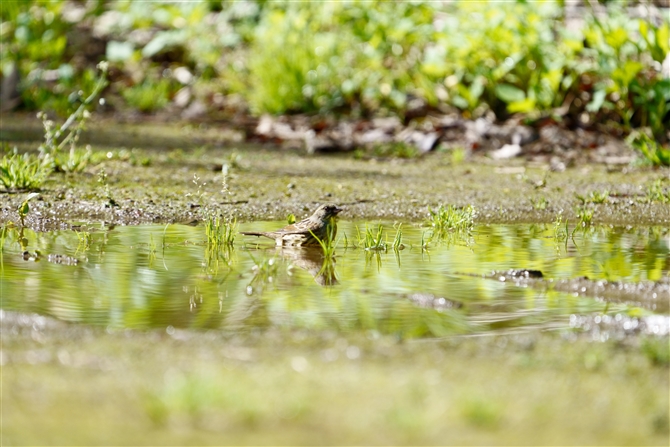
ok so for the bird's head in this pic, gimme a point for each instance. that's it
(326, 212)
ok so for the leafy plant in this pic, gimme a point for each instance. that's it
(107, 192)
(24, 208)
(596, 197)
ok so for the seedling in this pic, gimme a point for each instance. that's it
(24, 208)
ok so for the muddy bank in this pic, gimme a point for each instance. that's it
(183, 171)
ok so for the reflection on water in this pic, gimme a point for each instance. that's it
(157, 276)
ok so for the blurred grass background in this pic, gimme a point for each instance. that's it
(589, 64)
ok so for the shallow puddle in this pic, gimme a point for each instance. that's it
(158, 276)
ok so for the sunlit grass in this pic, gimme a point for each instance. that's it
(220, 232)
(24, 172)
(372, 240)
(397, 240)
(585, 217)
(327, 244)
(451, 219)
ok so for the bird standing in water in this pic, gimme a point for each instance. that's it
(320, 224)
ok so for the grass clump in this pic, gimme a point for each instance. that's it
(377, 240)
(585, 217)
(328, 243)
(28, 172)
(372, 240)
(451, 219)
(24, 172)
(656, 193)
(220, 232)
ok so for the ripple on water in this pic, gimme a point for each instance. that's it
(604, 282)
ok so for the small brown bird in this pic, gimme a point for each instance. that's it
(320, 224)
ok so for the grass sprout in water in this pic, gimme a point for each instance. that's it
(372, 241)
(450, 219)
(220, 232)
(327, 244)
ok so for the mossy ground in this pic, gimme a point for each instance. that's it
(264, 183)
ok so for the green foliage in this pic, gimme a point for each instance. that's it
(585, 216)
(560, 231)
(149, 96)
(656, 193)
(354, 58)
(56, 138)
(657, 350)
(327, 244)
(220, 232)
(594, 197)
(652, 151)
(21, 172)
(106, 191)
(397, 149)
(24, 207)
(450, 219)
(540, 203)
(372, 240)
(621, 52)
(397, 240)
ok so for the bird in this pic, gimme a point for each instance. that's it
(320, 224)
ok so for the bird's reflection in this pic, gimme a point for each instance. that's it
(312, 259)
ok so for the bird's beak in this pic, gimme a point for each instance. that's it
(337, 210)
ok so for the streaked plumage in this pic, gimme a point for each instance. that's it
(300, 233)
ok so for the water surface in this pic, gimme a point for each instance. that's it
(168, 277)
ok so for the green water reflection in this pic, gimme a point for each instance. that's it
(157, 276)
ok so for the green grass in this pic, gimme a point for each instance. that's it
(220, 232)
(451, 219)
(372, 240)
(398, 149)
(397, 240)
(539, 203)
(651, 150)
(560, 230)
(24, 172)
(28, 172)
(597, 197)
(329, 243)
(656, 193)
(585, 217)
(149, 96)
